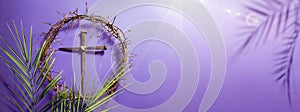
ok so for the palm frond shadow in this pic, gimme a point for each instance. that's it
(282, 24)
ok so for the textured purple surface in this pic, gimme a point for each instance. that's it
(249, 84)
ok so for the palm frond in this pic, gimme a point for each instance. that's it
(83, 102)
(106, 86)
(32, 86)
(29, 79)
(281, 23)
(58, 100)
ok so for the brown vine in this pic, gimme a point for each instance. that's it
(113, 30)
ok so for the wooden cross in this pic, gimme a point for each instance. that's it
(83, 51)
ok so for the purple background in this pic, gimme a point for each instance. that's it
(249, 84)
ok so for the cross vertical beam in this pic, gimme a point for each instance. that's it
(83, 54)
(83, 50)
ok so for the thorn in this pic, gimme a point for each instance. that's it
(59, 13)
(44, 34)
(128, 31)
(114, 20)
(47, 23)
(76, 11)
(86, 7)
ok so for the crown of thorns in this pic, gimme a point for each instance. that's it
(70, 19)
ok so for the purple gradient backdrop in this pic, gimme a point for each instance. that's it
(249, 84)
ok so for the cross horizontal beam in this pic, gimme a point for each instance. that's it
(82, 48)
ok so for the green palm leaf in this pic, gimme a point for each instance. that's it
(26, 70)
(31, 73)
